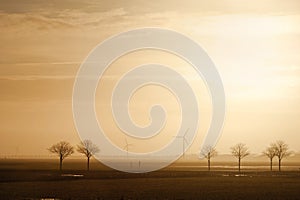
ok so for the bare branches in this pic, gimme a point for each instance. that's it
(63, 149)
(270, 152)
(87, 148)
(240, 151)
(208, 152)
(281, 151)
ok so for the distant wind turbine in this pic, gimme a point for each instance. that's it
(126, 147)
(184, 140)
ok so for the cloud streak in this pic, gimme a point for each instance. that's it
(67, 19)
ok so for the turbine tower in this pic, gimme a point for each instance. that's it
(184, 140)
(126, 147)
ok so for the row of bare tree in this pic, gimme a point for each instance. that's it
(277, 149)
(64, 149)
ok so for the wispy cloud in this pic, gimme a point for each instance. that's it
(34, 77)
(45, 63)
(45, 20)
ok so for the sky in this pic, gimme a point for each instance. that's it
(255, 46)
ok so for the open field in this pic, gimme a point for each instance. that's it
(27, 182)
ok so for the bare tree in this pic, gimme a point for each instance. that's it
(88, 149)
(281, 151)
(270, 152)
(240, 151)
(63, 149)
(208, 152)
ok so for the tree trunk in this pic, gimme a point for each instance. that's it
(279, 164)
(88, 163)
(208, 164)
(60, 163)
(271, 164)
(239, 164)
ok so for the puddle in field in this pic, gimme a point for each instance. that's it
(49, 199)
(240, 175)
(237, 175)
(72, 175)
(46, 198)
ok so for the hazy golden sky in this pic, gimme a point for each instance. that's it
(254, 44)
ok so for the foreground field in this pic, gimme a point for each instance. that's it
(170, 183)
(158, 185)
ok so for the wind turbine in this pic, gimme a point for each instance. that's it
(126, 147)
(184, 140)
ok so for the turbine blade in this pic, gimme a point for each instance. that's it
(187, 130)
(185, 140)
